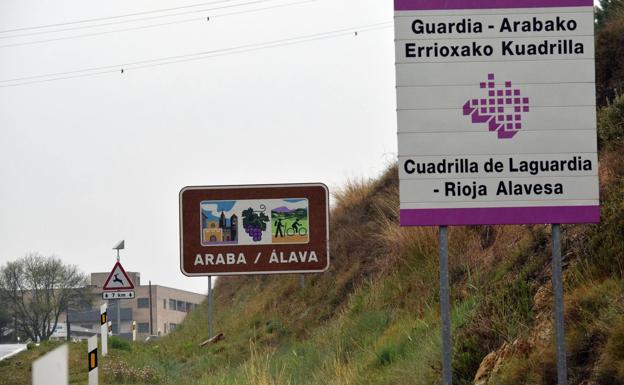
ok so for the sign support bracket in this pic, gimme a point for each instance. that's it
(557, 279)
(445, 307)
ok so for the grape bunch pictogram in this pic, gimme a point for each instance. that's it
(254, 222)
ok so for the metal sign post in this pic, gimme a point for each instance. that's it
(445, 307)
(119, 317)
(557, 278)
(209, 306)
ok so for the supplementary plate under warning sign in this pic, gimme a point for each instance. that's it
(118, 294)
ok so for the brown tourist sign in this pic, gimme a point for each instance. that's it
(254, 229)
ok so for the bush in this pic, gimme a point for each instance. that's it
(611, 122)
(119, 343)
(610, 60)
(606, 244)
(610, 368)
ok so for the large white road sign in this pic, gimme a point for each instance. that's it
(496, 111)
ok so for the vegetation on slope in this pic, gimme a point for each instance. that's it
(373, 318)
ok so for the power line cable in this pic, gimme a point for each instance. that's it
(118, 66)
(135, 20)
(265, 46)
(116, 16)
(156, 25)
(94, 71)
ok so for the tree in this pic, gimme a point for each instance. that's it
(610, 60)
(608, 10)
(38, 289)
(6, 323)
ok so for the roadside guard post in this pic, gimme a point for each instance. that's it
(253, 229)
(92, 360)
(133, 331)
(104, 329)
(496, 123)
(52, 368)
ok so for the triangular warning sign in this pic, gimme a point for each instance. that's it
(118, 279)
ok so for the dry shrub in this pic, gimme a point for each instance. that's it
(122, 372)
(610, 369)
(611, 167)
(258, 368)
(406, 241)
(353, 193)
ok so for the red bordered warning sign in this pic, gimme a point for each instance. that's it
(118, 279)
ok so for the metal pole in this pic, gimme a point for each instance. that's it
(68, 324)
(302, 281)
(445, 308)
(209, 306)
(557, 277)
(151, 312)
(118, 307)
(119, 317)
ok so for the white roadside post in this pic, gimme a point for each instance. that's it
(92, 360)
(110, 328)
(133, 331)
(52, 368)
(104, 329)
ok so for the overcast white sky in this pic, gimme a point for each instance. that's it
(86, 162)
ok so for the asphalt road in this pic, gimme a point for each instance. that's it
(7, 350)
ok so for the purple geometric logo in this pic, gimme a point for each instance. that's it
(502, 110)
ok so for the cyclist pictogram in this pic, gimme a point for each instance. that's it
(298, 230)
(290, 221)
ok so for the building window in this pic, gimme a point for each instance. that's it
(189, 307)
(181, 306)
(172, 326)
(172, 304)
(143, 327)
(142, 303)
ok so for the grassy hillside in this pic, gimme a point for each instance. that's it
(373, 318)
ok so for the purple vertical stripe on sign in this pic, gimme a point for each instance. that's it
(418, 5)
(500, 215)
